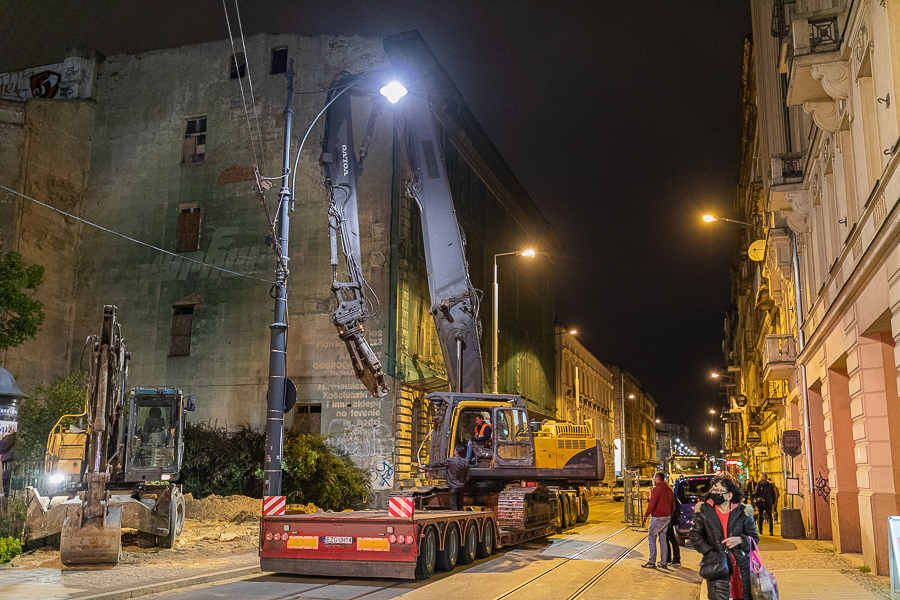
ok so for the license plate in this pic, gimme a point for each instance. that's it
(337, 539)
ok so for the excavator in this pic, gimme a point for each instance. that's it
(555, 460)
(113, 466)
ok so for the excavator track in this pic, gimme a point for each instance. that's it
(525, 508)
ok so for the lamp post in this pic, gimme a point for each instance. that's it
(530, 254)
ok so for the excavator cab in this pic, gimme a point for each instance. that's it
(513, 444)
(155, 426)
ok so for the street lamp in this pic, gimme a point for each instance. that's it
(527, 253)
(713, 219)
(712, 411)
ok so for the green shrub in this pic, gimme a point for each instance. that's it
(10, 548)
(40, 412)
(218, 461)
(865, 569)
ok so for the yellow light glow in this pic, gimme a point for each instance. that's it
(658, 421)
(631, 396)
(529, 253)
(709, 218)
(714, 375)
(573, 331)
(712, 428)
(712, 411)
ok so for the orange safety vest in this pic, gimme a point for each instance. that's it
(481, 433)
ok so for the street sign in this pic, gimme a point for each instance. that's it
(761, 451)
(791, 443)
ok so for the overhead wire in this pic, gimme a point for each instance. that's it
(240, 83)
(262, 151)
(131, 239)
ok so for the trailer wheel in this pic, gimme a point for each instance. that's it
(467, 550)
(584, 510)
(563, 506)
(446, 559)
(427, 555)
(486, 546)
(176, 523)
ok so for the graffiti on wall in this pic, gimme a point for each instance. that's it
(53, 81)
(369, 444)
(823, 490)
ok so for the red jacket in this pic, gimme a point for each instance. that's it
(661, 500)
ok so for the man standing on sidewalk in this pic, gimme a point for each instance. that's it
(659, 509)
(765, 500)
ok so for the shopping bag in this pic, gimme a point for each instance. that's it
(762, 582)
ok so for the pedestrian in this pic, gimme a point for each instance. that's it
(671, 540)
(723, 524)
(765, 496)
(777, 496)
(458, 475)
(659, 509)
(749, 488)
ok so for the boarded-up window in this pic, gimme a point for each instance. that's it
(188, 229)
(279, 60)
(308, 418)
(238, 66)
(182, 324)
(194, 148)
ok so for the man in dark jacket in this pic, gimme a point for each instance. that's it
(458, 475)
(659, 509)
(671, 540)
(765, 500)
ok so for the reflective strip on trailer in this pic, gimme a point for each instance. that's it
(303, 541)
(400, 507)
(274, 505)
(373, 544)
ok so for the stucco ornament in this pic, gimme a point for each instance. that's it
(835, 78)
(798, 218)
(825, 114)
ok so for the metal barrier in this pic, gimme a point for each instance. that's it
(634, 503)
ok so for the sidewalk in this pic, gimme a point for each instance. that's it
(123, 581)
(812, 570)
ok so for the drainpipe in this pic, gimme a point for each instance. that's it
(813, 525)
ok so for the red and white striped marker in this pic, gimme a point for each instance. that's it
(273, 506)
(400, 507)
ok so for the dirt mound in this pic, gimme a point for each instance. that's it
(221, 508)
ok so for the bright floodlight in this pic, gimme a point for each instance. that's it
(706, 218)
(712, 411)
(712, 428)
(529, 253)
(714, 375)
(573, 331)
(678, 440)
(393, 91)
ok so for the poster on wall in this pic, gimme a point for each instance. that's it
(793, 486)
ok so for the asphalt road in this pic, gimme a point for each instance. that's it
(598, 559)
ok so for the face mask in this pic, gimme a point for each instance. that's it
(717, 499)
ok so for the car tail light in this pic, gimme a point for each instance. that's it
(409, 539)
(393, 539)
(399, 539)
(269, 537)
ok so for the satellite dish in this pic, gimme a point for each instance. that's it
(757, 250)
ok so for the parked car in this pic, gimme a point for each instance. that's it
(645, 484)
(689, 491)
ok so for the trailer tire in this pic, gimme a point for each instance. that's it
(584, 510)
(486, 546)
(469, 546)
(427, 555)
(447, 558)
(176, 523)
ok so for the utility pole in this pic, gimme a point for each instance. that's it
(278, 345)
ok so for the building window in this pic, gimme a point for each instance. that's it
(279, 60)
(238, 66)
(308, 418)
(194, 148)
(188, 228)
(182, 324)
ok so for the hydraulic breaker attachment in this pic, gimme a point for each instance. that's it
(365, 364)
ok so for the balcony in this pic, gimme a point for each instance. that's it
(787, 176)
(779, 357)
(813, 40)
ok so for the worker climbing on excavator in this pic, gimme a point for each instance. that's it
(458, 475)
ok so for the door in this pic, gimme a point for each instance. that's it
(513, 444)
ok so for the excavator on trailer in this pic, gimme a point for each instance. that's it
(558, 459)
(113, 466)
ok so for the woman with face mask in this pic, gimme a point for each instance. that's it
(723, 524)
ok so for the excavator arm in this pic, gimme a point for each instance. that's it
(454, 301)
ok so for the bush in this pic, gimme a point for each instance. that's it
(222, 462)
(10, 548)
(865, 569)
(40, 412)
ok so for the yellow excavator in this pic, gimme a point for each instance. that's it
(113, 466)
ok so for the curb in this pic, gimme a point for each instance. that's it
(175, 584)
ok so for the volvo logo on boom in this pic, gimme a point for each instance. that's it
(345, 160)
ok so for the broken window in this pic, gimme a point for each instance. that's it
(182, 324)
(194, 148)
(308, 418)
(279, 60)
(188, 239)
(238, 66)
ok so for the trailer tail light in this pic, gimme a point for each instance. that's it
(409, 539)
(393, 539)
(269, 537)
(399, 539)
(277, 537)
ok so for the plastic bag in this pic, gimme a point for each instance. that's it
(762, 583)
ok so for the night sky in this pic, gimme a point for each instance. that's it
(621, 119)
